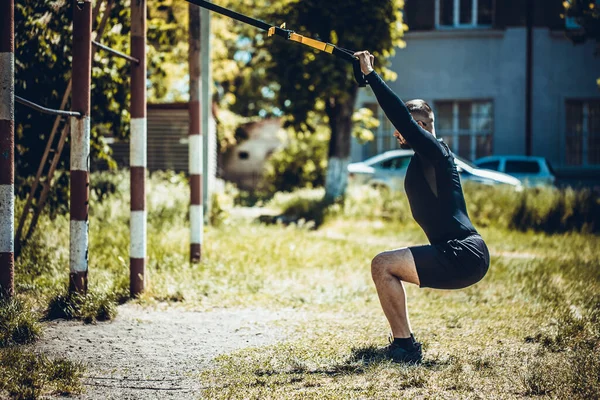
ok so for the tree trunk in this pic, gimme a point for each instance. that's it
(340, 121)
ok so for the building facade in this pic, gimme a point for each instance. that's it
(470, 60)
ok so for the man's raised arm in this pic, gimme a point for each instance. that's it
(418, 138)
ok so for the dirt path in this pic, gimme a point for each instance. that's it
(157, 354)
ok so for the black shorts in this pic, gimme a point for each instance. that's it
(455, 264)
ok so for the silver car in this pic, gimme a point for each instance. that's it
(387, 170)
(532, 171)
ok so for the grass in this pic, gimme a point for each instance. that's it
(18, 323)
(529, 329)
(91, 307)
(26, 375)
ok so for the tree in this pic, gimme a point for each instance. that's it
(305, 81)
(587, 16)
(43, 42)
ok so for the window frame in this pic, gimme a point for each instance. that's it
(456, 132)
(585, 132)
(456, 14)
(385, 141)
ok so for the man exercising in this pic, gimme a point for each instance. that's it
(457, 256)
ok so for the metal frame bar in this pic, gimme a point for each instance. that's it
(116, 53)
(45, 110)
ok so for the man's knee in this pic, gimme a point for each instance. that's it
(380, 267)
(389, 265)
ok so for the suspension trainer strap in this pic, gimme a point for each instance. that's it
(288, 35)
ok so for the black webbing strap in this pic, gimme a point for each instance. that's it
(345, 54)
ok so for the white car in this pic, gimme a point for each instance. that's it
(387, 170)
(532, 171)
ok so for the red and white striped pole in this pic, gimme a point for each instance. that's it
(209, 142)
(195, 138)
(80, 144)
(7, 145)
(137, 149)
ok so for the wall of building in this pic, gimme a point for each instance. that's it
(490, 64)
(561, 71)
(466, 65)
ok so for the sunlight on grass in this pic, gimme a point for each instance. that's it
(528, 329)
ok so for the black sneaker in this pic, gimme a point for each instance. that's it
(400, 355)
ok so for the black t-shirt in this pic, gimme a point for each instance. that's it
(442, 215)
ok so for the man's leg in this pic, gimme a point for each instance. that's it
(389, 269)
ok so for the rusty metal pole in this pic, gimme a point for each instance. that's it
(209, 142)
(80, 144)
(7, 145)
(195, 137)
(137, 152)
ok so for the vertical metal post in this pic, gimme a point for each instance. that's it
(529, 79)
(209, 142)
(195, 137)
(138, 149)
(7, 145)
(80, 144)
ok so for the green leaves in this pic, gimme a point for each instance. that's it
(364, 122)
(43, 41)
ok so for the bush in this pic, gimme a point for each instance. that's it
(57, 201)
(548, 210)
(368, 202)
(305, 204)
(18, 324)
(301, 164)
(557, 210)
(92, 307)
(490, 205)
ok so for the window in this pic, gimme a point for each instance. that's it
(464, 13)
(243, 155)
(396, 163)
(466, 126)
(493, 165)
(522, 167)
(582, 140)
